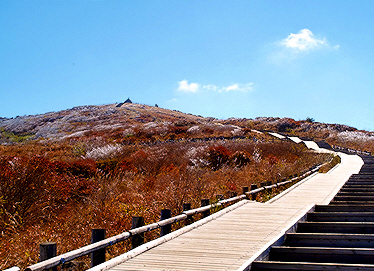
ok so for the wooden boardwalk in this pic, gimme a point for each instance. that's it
(233, 239)
(337, 236)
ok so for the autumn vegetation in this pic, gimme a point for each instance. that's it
(59, 182)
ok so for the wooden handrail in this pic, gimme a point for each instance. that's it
(71, 255)
(366, 153)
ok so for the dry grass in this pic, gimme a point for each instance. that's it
(65, 199)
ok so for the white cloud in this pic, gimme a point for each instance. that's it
(304, 41)
(194, 87)
(210, 87)
(234, 87)
(184, 86)
(297, 45)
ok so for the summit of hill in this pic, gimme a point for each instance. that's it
(84, 119)
(139, 122)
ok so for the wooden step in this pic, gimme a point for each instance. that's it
(359, 182)
(341, 217)
(322, 255)
(355, 194)
(275, 265)
(336, 227)
(363, 175)
(345, 208)
(357, 186)
(329, 240)
(368, 177)
(359, 203)
(353, 198)
(357, 189)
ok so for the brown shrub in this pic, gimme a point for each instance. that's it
(240, 158)
(217, 156)
(85, 168)
(23, 185)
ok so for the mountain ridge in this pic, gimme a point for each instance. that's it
(143, 122)
(81, 118)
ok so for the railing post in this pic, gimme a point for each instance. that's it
(165, 214)
(205, 202)
(245, 189)
(253, 187)
(220, 197)
(48, 250)
(137, 239)
(186, 207)
(98, 256)
(269, 183)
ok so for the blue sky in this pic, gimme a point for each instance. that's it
(217, 58)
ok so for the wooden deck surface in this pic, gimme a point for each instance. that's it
(227, 242)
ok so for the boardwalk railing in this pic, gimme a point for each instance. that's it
(69, 256)
(348, 150)
(15, 268)
(94, 247)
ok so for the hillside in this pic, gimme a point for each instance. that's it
(81, 120)
(136, 122)
(64, 173)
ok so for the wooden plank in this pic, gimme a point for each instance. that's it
(358, 189)
(342, 202)
(360, 182)
(356, 193)
(348, 186)
(341, 216)
(273, 265)
(14, 268)
(327, 255)
(329, 240)
(345, 208)
(354, 198)
(336, 227)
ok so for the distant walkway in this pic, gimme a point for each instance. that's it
(235, 238)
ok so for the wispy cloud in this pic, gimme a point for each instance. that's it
(184, 86)
(234, 87)
(305, 41)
